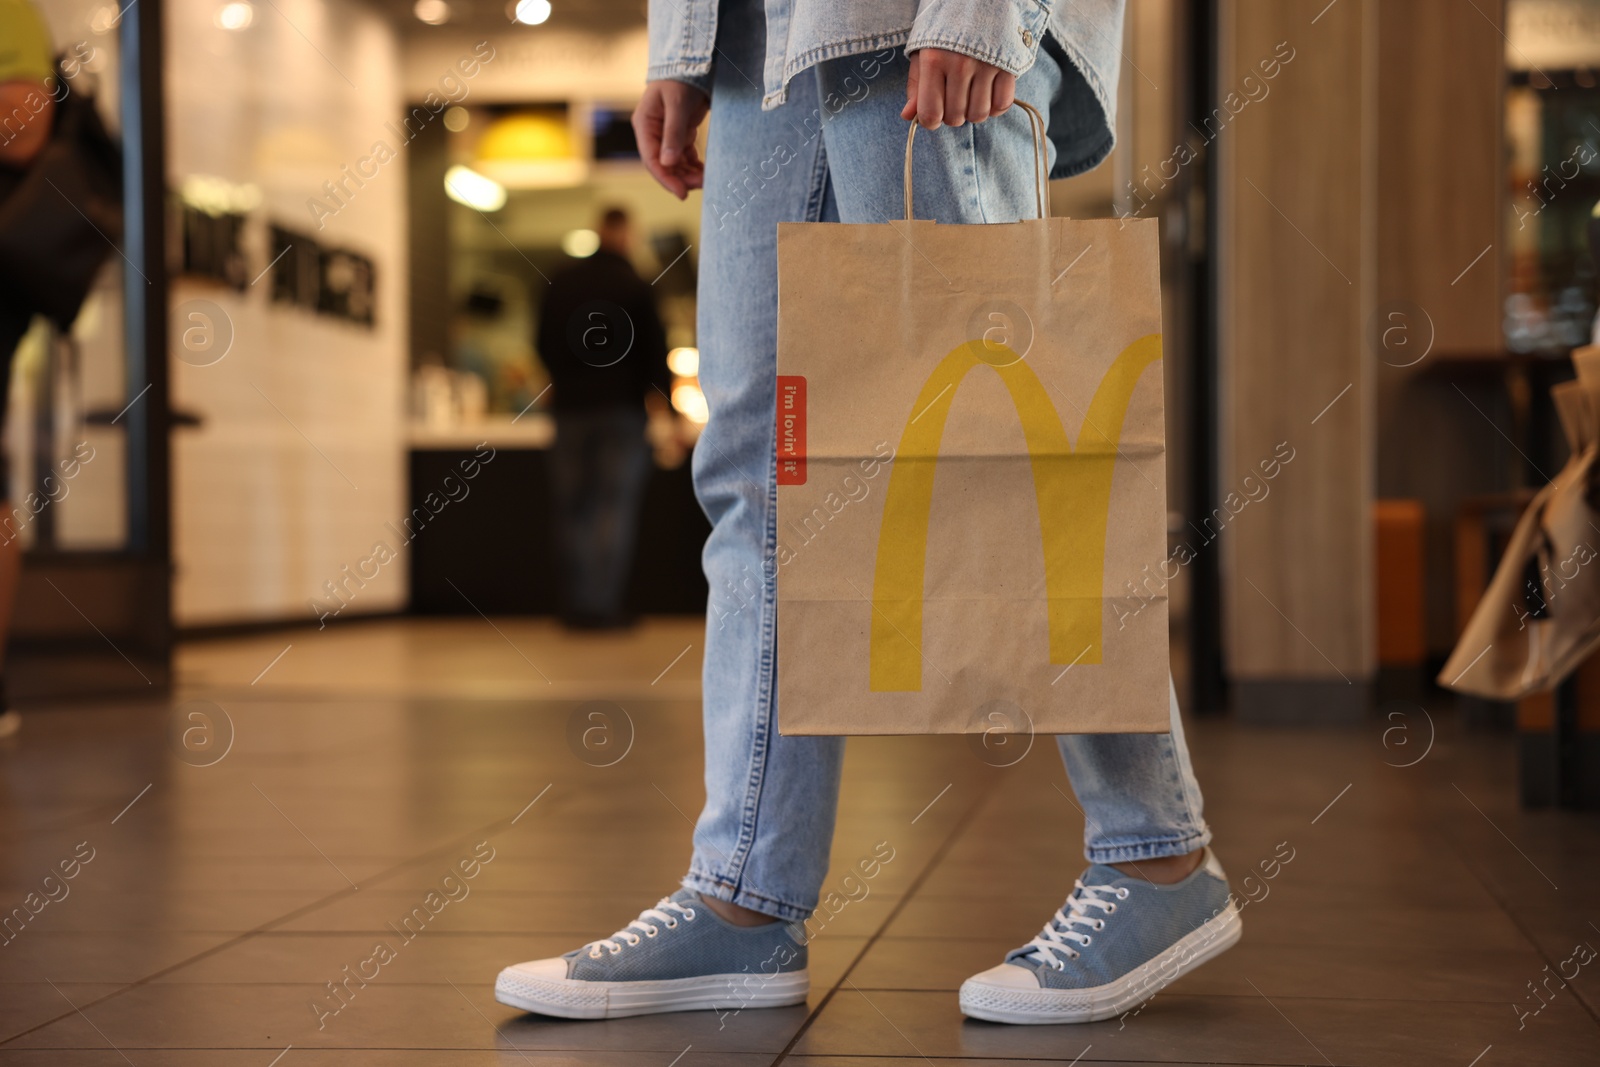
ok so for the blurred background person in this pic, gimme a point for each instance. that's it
(27, 113)
(600, 337)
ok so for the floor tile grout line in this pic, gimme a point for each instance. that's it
(581, 1050)
(1466, 861)
(1170, 996)
(91, 813)
(1050, 1061)
(862, 989)
(636, 693)
(624, 1051)
(266, 927)
(1538, 949)
(872, 939)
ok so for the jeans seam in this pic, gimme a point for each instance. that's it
(977, 179)
(760, 744)
(1149, 848)
(703, 882)
(813, 213)
(1185, 787)
(1174, 774)
(1188, 787)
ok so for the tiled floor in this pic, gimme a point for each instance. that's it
(229, 884)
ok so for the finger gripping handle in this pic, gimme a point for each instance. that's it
(1040, 159)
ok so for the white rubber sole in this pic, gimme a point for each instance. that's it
(567, 998)
(1005, 1004)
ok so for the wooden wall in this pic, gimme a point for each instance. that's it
(1440, 168)
(1296, 215)
(1441, 178)
(1367, 182)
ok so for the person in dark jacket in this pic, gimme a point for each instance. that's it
(602, 341)
(27, 110)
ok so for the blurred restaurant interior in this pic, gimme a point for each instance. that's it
(302, 414)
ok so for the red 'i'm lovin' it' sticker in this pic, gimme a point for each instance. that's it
(791, 429)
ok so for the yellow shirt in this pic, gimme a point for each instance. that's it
(26, 53)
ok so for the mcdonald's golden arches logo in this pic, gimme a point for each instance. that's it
(1072, 488)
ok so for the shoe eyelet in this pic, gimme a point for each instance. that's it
(614, 947)
(672, 924)
(594, 953)
(634, 940)
(689, 915)
(1122, 894)
(1087, 939)
(653, 931)
(1111, 909)
(1100, 924)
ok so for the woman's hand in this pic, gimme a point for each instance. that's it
(664, 124)
(949, 88)
(943, 88)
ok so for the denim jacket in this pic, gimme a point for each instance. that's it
(1006, 33)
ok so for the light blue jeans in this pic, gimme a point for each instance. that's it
(834, 152)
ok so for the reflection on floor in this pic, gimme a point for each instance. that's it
(237, 855)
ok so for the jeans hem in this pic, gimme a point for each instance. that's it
(712, 886)
(1160, 848)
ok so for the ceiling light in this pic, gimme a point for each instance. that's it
(217, 196)
(530, 12)
(433, 12)
(530, 149)
(684, 362)
(580, 244)
(691, 403)
(105, 19)
(236, 16)
(466, 186)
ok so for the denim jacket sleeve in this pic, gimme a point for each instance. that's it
(1005, 33)
(1085, 34)
(683, 36)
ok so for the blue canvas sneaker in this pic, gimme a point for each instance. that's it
(677, 956)
(1114, 944)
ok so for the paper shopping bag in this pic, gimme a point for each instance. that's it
(1539, 619)
(971, 478)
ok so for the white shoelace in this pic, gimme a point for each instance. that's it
(643, 924)
(1059, 934)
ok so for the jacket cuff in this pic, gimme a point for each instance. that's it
(1006, 34)
(697, 75)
